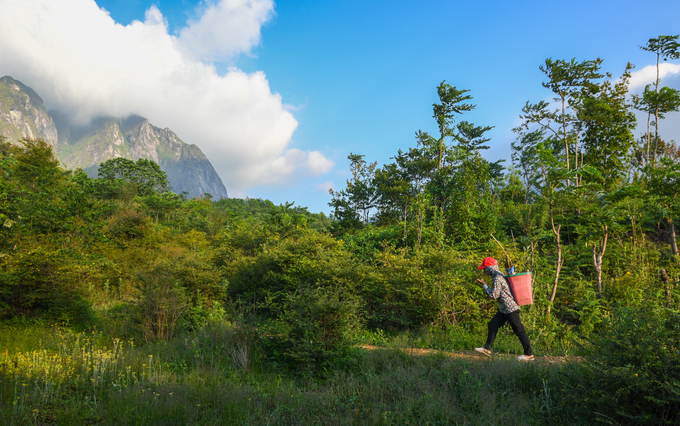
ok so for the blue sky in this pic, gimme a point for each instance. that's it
(361, 76)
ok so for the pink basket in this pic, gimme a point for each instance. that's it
(520, 285)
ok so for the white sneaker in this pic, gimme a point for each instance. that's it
(483, 351)
(525, 358)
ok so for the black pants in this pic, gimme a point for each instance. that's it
(513, 318)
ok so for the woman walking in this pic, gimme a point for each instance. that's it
(508, 309)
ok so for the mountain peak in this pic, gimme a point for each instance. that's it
(22, 114)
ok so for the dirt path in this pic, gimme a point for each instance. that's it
(475, 356)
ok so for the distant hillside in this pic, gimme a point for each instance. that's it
(23, 114)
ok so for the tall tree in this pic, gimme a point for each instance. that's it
(609, 122)
(452, 103)
(353, 205)
(551, 183)
(36, 164)
(665, 47)
(402, 182)
(569, 80)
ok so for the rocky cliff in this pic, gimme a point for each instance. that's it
(22, 114)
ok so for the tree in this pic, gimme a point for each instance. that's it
(9, 212)
(568, 80)
(36, 164)
(145, 174)
(528, 166)
(45, 197)
(452, 103)
(608, 123)
(665, 47)
(551, 189)
(664, 192)
(525, 158)
(600, 218)
(353, 205)
(468, 185)
(661, 102)
(399, 183)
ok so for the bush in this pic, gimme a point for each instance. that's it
(315, 260)
(314, 328)
(128, 225)
(163, 303)
(45, 284)
(186, 291)
(636, 365)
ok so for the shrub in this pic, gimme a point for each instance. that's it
(636, 362)
(315, 260)
(128, 225)
(314, 328)
(45, 284)
(163, 303)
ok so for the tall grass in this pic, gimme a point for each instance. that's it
(71, 365)
(215, 376)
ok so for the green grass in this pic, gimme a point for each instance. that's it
(198, 379)
(555, 339)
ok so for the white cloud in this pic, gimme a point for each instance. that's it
(647, 75)
(225, 28)
(85, 64)
(317, 164)
(325, 187)
(669, 128)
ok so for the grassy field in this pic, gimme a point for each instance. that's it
(50, 375)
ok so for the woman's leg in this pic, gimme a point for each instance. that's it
(518, 329)
(496, 322)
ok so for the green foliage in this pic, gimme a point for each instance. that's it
(36, 164)
(311, 261)
(45, 284)
(352, 206)
(128, 225)
(236, 294)
(145, 174)
(609, 122)
(401, 296)
(635, 362)
(314, 328)
(163, 303)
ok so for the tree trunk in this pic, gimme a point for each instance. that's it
(564, 131)
(649, 136)
(674, 241)
(656, 109)
(665, 279)
(597, 261)
(405, 233)
(440, 148)
(558, 263)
